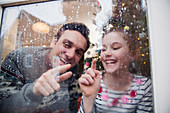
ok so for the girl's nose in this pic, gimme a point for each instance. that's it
(108, 52)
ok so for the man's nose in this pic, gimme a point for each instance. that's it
(70, 53)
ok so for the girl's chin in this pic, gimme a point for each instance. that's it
(110, 70)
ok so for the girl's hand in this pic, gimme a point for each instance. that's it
(90, 81)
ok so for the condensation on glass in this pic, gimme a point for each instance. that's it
(36, 24)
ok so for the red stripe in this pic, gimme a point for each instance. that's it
(12, 74)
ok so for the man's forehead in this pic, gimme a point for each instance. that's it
(74, 37)
(70, 32)
(73, 34)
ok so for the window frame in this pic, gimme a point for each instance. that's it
(158, 101)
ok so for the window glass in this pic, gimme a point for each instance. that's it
(29, 36)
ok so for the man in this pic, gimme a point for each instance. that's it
(40, 71)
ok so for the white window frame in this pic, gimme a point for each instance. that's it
(159, 24)
(158, 19)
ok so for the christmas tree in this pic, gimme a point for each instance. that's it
(133, 13)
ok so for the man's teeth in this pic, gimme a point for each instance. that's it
(64, 61)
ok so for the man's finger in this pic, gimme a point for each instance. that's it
(61, 69)
(93, 65)
(64, 76)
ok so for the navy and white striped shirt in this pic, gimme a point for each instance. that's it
(137, 98)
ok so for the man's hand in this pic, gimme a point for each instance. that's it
(49, 81)
(90, 81)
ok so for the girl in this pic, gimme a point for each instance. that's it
(116, 89)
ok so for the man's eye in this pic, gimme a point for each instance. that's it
(67, 45)
(79, 53)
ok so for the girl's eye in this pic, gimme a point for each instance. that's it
(103, 49)
(116, 48)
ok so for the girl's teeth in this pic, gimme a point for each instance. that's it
(109, 62)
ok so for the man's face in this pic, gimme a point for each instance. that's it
(69, 48)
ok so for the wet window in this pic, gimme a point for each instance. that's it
(36, 39)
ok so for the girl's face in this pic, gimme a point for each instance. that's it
(115, 52)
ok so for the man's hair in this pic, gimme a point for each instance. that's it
(80, 27)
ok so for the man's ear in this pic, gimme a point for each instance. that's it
(53, 42)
